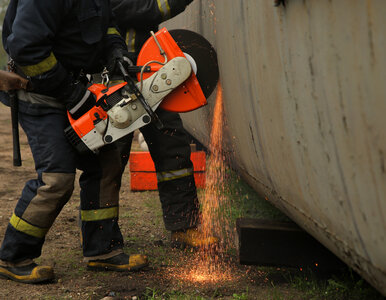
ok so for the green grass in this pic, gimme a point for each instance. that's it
(244, 202)
(242, 296)
(3, 54)
(312, 285)
(239, 200)
(347, 285)
(151, 294)
(152, 201)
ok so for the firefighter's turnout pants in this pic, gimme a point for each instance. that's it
(170, 151)
(43, 198)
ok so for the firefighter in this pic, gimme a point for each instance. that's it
(169, 147)
(52, 43)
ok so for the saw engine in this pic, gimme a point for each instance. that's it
(166, 78)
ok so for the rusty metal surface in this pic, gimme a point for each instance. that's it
(305, 101)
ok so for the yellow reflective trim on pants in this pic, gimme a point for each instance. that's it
(23, 226)
(99, 214)
(112, 30)
(164, 8)
(130, 40)
(40, 68)
(171, 175)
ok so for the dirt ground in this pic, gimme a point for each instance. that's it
(167, 277)
(142, 228)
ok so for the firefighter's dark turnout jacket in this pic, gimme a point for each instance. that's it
(51, 42)
(170, 147)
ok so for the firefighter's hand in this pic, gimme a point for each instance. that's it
(80, 101)
(118, 55)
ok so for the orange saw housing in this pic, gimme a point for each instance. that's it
(188, 96)
(86, 123)
(89, 131)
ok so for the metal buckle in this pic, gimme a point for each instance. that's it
(105, 77)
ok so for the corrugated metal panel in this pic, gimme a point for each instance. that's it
(305, 102)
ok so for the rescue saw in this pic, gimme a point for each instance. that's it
(176, 71)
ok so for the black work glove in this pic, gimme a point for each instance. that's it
(80, 100)
(118, 55)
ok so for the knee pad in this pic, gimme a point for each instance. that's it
(49, 199)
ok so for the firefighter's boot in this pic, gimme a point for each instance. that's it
(30, 273)
(193, 238)
(121, 263)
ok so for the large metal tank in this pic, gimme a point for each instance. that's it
(305, 106)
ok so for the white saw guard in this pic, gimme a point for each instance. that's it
(154, 89)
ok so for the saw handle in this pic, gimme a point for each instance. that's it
(140, 97)
(13, 103)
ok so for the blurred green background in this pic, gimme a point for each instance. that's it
(3, 55)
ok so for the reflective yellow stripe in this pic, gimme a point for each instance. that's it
(171, 175)
(27, 228)
(164, 8)
(40, 68)
(112, 30)
(35, 274)
(99, 214)
(115, 82)
(130, 40)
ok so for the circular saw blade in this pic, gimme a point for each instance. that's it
(204, 56)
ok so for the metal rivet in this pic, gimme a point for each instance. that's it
(155, 88)
(133, 107)
(168, 82)
(146, 119)
(163, 75)
(108, 138)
